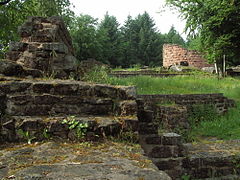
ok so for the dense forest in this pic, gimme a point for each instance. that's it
(213, 28)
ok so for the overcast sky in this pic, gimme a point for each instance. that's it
(122, 8)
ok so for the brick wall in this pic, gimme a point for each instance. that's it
(174, 54)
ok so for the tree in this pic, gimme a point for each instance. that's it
(216, 22)
(142, 41)
(173, 37)
(86, 40)
(109, 27)
(130, 39)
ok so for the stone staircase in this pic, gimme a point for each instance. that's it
(36, 106)
(213, 159)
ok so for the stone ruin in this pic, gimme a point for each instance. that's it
(38, 105)
(174, 54)
(45, 45)
(160, 127)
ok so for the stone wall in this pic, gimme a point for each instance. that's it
(36, 105)
(152, 73)
(171, 111)
(169, 153)
(45, 45)
(220, 102)
(174, 54)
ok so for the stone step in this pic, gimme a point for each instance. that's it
(66, 88)
(55, 126)
(47, 104)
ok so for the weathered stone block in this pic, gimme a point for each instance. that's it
(57, 126)
(10, 68)
(201, 173)
(154, 140)
(164, 152)
(127, 107)
(46, 99)
(175, 173)
(224, 171)
(31, 125)
(28, 110)
(14, 87)
(147, 128)
(19, 100)
(171, 139)
(168, 163)
(145, 115)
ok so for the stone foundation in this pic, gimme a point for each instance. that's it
(220, 102)
(168, 151)
(37, 105)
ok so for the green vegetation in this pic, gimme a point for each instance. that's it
(26, 135)
(205, 122)
(213, 25)
(230, 87)
(209, 124)
(46, 134)
(73, 124)
(222, 127)
(136, 42)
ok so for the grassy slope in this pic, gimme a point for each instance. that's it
(182, 85)
(225, 127)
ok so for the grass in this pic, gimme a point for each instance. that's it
(230, 87)
(222, 127)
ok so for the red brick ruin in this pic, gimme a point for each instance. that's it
(174, 54)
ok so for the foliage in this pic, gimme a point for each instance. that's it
(182, 85)
(127, 136)
(111, 49)
(26, 135)
(216, 23)
(46, 134)
(185, 177)
(198, 114)
(98, 74)
(142, 43)
(202, 112)
(136, 42)
(85, 37)
(223, 127)
(173, 37)
(81, 128)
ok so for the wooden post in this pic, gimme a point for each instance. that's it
(224, 65)
(216, 69)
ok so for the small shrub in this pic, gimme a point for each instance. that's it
(81, 128)
(46, 134)
(26, 135)
(98, 74)
(128, 136)
(202, 112)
